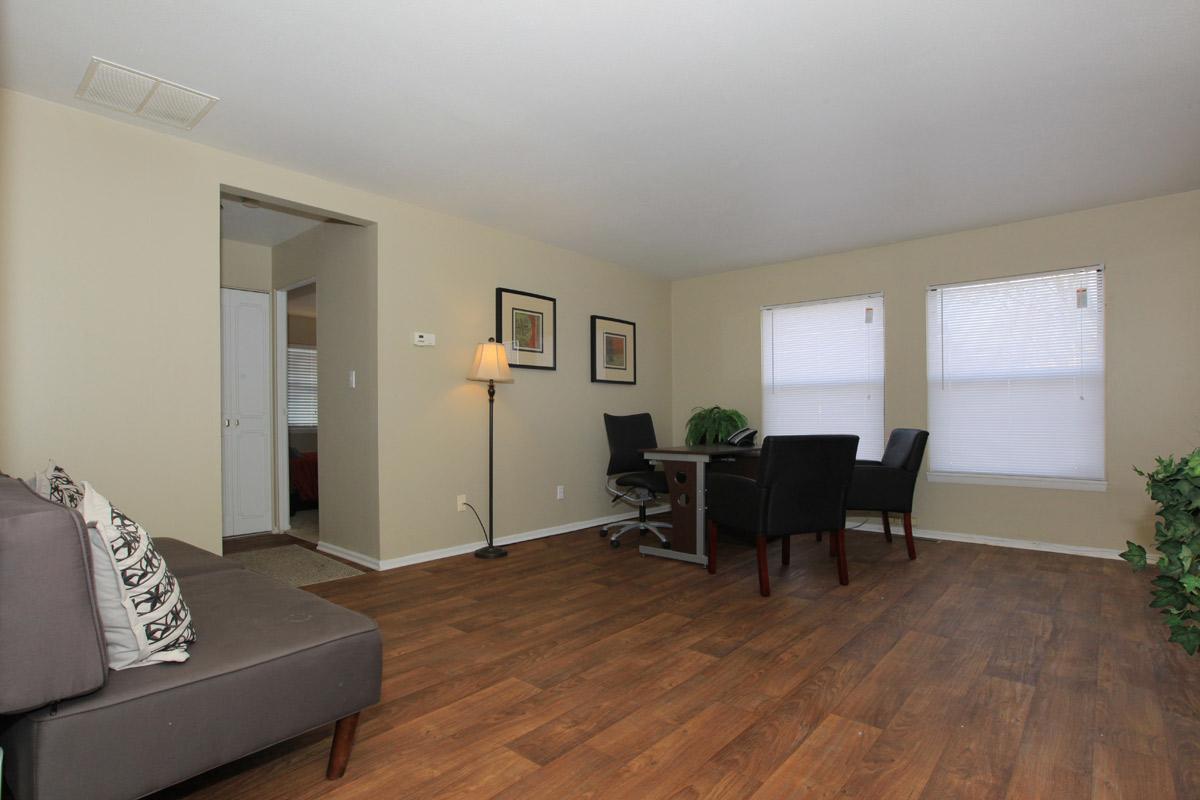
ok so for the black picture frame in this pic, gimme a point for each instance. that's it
(513, 296)
(600, 370)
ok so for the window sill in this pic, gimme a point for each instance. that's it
(1027, 481)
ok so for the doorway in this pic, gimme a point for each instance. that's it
(322, 465)
(301, 408)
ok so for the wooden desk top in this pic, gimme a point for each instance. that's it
(705, 452)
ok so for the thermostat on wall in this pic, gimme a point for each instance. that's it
(424, 339)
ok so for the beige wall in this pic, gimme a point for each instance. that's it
(245, 266)
(110, 350)
(1151, 250)
(343, 260)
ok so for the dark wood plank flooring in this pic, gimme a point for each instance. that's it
(571, 670)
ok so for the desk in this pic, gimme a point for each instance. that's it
(686, 468)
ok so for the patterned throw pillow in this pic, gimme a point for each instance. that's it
(141, 609)
(55, 484)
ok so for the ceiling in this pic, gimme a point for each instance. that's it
(676, 137)
(261, 225)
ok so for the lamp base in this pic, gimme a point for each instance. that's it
(491, 551)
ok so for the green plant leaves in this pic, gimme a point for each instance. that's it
(1135, 555)
(713, 425)
(1175, 486)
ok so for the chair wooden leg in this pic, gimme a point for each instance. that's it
(764, 579)
(832, 544)
(843, 572)
(343, 743)
(787, 550)
(887, 527)
(908, 537)
(712, 547)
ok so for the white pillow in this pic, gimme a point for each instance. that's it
(55, 484)
(141, 610)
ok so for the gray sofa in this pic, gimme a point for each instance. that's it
(270, 662)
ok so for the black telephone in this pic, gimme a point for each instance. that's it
(742, 438)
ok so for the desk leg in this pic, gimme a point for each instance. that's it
(685, 479)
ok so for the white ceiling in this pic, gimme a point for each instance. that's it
(679, 137)
(261, 225)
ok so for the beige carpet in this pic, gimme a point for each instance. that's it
(294, 565)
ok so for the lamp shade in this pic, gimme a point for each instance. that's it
(491, 364)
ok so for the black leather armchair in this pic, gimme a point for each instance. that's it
(801, 488)
(887, 485)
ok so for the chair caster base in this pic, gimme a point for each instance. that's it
(615, 543)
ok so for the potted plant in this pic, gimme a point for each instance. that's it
(1175, 486)
(713, 425)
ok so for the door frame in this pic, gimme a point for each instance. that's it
(283, 502)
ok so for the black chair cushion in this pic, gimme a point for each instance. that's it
(888, 485)
(879, 488)
(801, 487)
(654, 481)
(627, 437)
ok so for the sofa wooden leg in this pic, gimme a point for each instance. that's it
(843, 571)
(787, 550)
(887, 527)
(908, 537)
(343, 743)
(764, 578)
(712, 547)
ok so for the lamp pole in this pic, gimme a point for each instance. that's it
(491, 551)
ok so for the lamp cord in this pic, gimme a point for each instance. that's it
(476, 513)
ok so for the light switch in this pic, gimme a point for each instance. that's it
(424, 339)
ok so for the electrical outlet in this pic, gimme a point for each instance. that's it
(461, 502)
(559, 493)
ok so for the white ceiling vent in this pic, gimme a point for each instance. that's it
(142, 95)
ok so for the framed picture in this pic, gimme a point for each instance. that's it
(614, 350)
(527, 325)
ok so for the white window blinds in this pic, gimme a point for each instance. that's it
(822, 370)
(301, 387)
(1016, 376)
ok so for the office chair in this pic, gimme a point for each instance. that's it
(801, 488)
(887, 485)
(631, 479)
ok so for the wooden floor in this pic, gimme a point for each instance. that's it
(571, 670)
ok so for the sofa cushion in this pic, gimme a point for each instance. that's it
(141, 605)
(273, 662)
(185, 560)
(51, 646)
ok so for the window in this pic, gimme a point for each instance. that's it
(301, 387)
(822, 370)
(1016, 380)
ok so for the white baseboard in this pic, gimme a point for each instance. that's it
(860, 524)
(994, 541)
(461, 549)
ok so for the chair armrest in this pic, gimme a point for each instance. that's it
(862, 462)
(734, 501)
(875, 487)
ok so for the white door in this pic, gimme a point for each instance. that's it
(246, 411)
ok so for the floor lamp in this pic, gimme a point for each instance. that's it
(491, 365)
